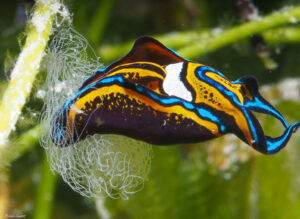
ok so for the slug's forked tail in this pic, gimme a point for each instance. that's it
(254, 102)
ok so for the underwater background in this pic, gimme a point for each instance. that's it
(222, 178)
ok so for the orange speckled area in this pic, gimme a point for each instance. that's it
(217, 101)
(177, 109)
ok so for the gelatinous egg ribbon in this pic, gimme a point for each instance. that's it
(153, 94)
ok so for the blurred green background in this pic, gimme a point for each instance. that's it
(217, 179)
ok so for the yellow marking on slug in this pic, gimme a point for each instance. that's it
(107, 90)
(221, 103)
(229, 86)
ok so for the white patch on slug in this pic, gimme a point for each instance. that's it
(172, 84)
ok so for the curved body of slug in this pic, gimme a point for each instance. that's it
(154, 95)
